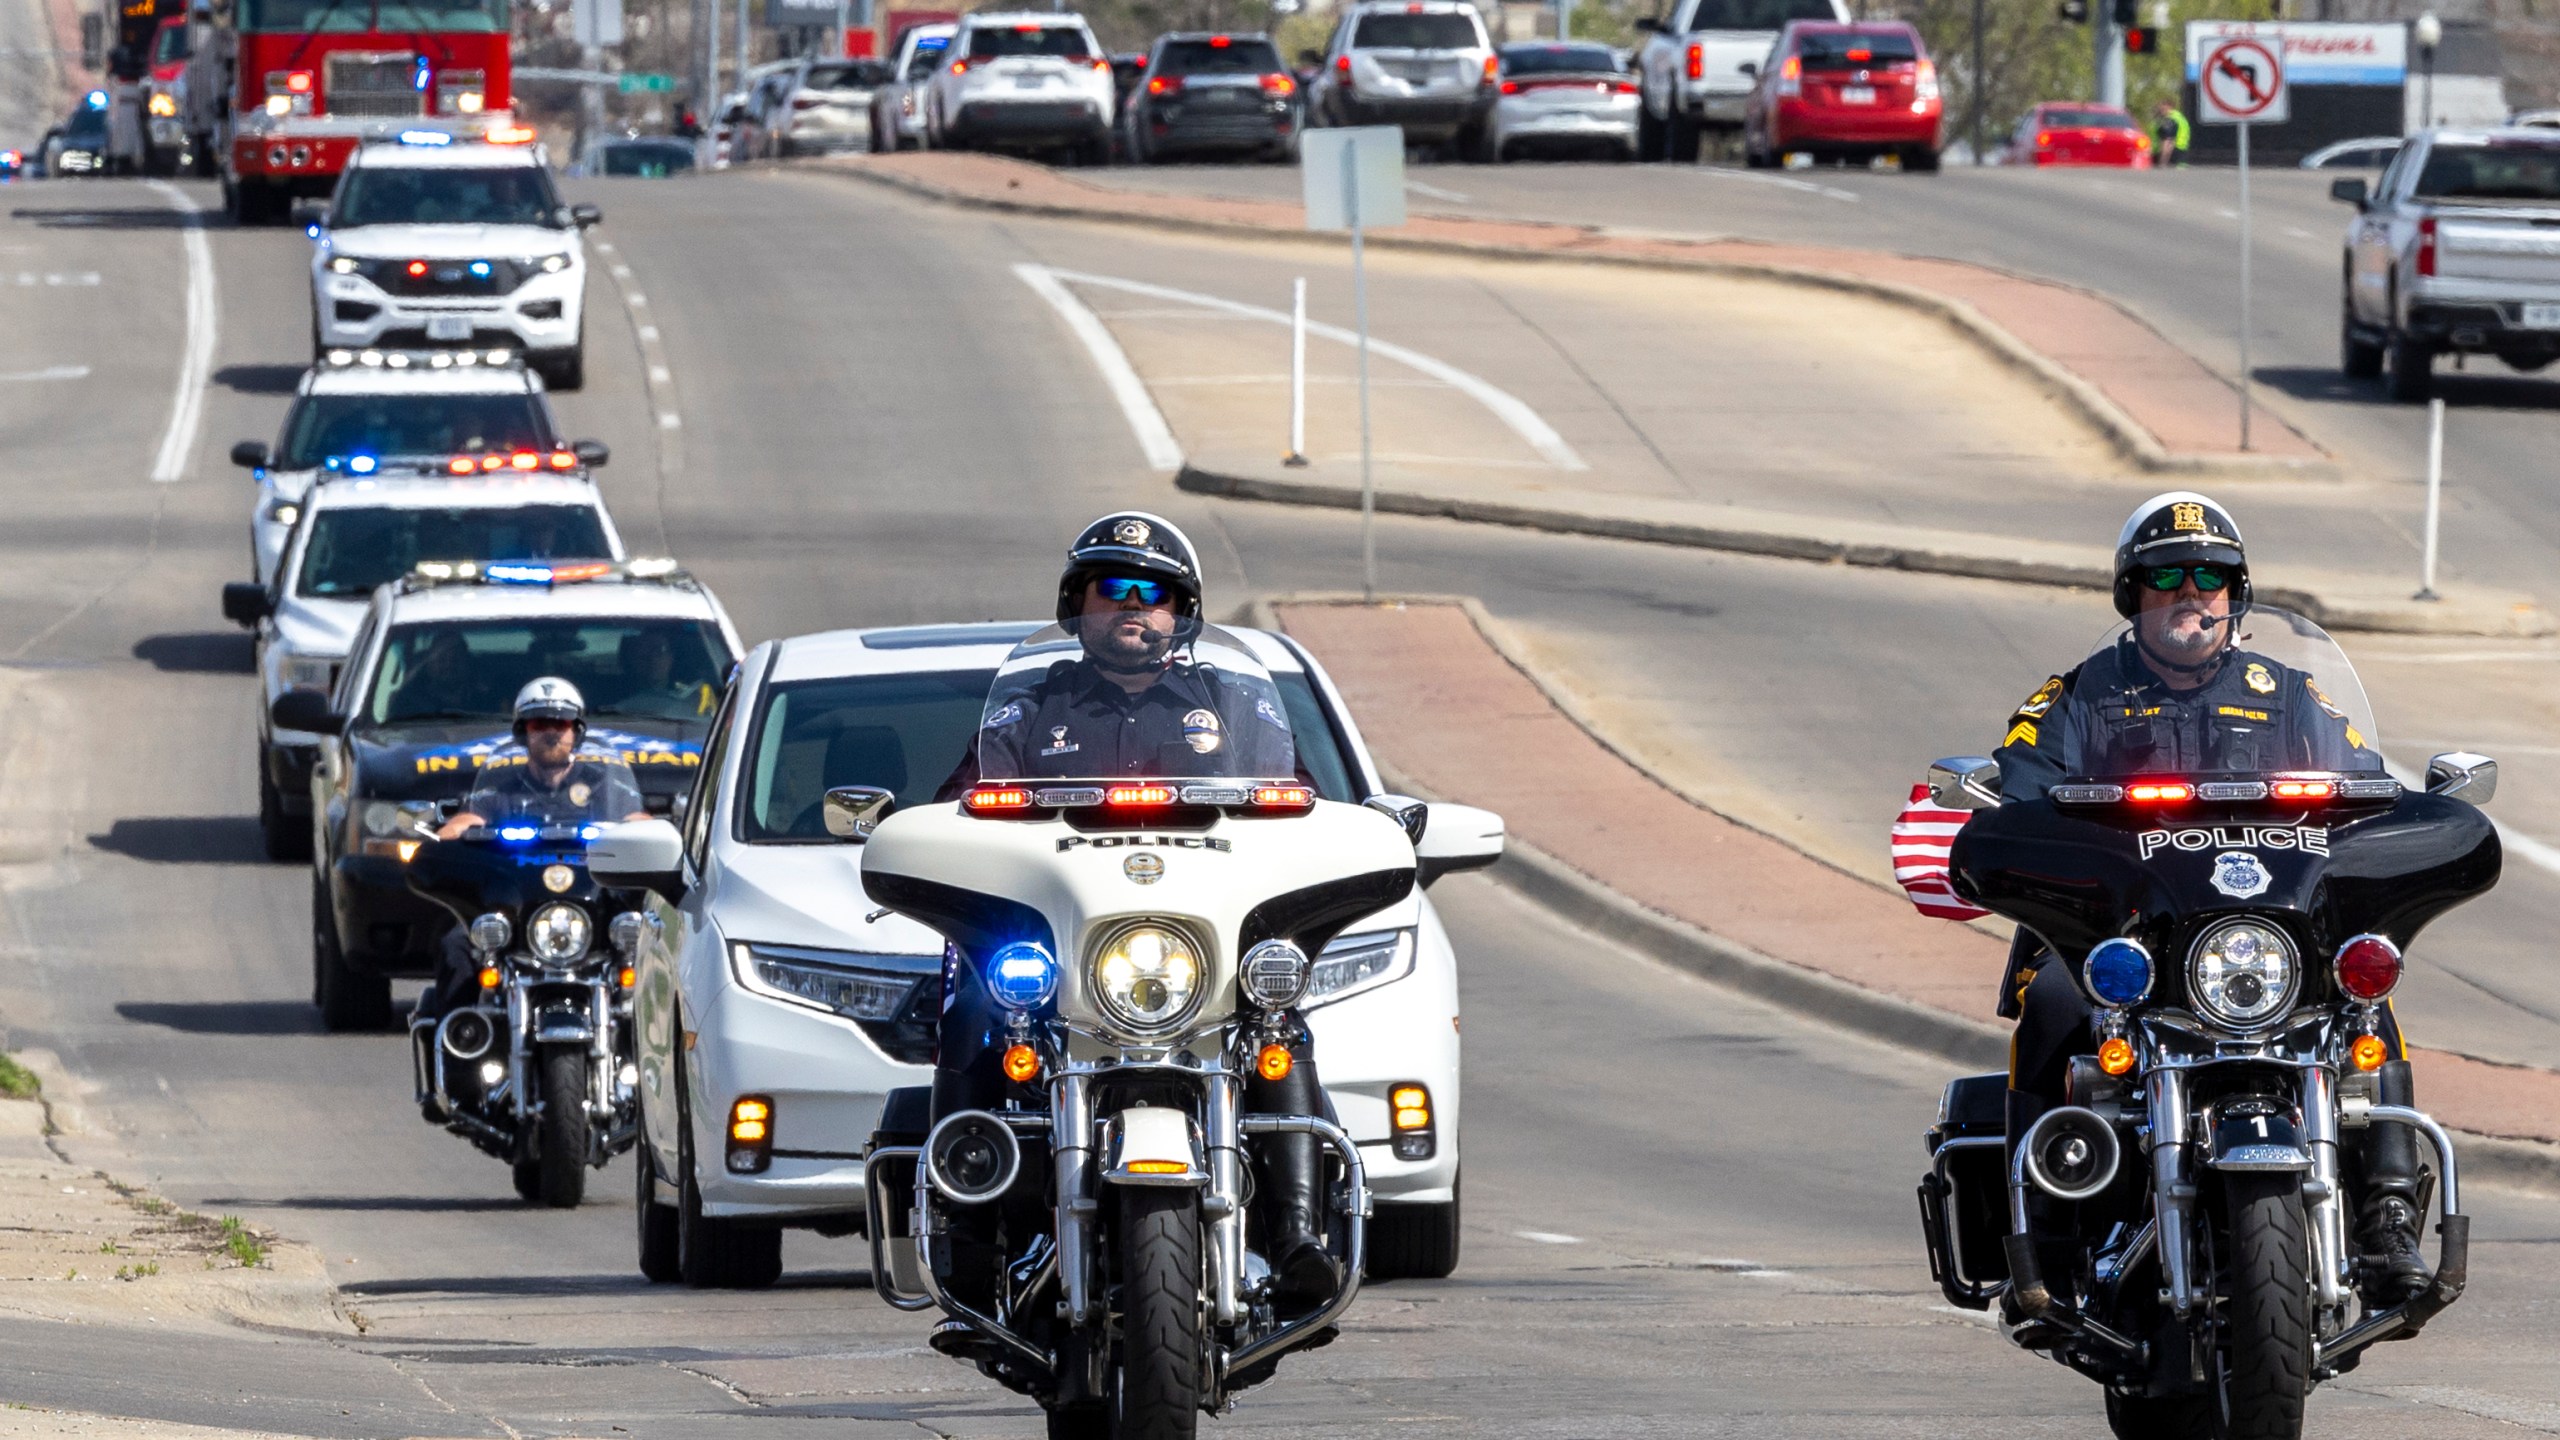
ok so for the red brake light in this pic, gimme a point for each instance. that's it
(1625, 87)
(2368, 968)
(1860, 57)
(1164, 85)
(2044, 139)
(2302, 789)
(298, 81)
(1279, 85)
(1219, 42)
(1698, 62)
(417, 268)
(985, 799)
(1100, 62)
(1283, 797)
(2427, 246)
(1342, 64)
(2160, 792)
(959, 66)
(1138, 795)
(1492, 68)
(1510, 87)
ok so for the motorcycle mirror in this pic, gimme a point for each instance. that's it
(2473, 777)
(642, 855)
(1458, 837)
(1406, 811)
(1965, 782)
(852, 812)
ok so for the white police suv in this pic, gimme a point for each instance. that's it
(438, 241)
(776, 1007)
(391, 413)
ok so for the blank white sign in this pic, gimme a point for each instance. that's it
(1353, 174)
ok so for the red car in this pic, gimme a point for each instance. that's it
(1845, 92)
(2079, 134)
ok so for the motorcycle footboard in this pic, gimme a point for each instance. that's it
(887, 1280)
(2453, 1252)
(1356, 1208)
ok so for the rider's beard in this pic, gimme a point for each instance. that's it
(2186, 634)
(1124, 640)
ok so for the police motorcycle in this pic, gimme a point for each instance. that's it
(1144, 941)
(2237, 936)
(537, 1069)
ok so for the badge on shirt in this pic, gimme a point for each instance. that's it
(558, 878)
(1059, 744)
(1200, 730)
(579, 792)
(2257, 679)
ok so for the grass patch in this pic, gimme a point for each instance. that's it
(242, 1242)
(17, 1082)
(136, 1272)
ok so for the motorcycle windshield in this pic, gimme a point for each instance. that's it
(1135, 695)
(509, 794)
(2180, 693)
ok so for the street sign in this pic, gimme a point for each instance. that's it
(1370, 195)
(596, 23)
(635, 83)
(2241, 82)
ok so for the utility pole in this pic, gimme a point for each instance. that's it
(1974, 124)
(2429, 32)
(2106, 31)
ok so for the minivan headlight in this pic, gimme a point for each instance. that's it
(2242, 973)
(1354, 964)
(1147, 977)
(833, 980)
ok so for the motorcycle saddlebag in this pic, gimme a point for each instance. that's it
(1964, 1197)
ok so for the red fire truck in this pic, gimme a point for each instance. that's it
(307, 81)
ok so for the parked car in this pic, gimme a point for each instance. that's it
(2370, 153)
(768, 107)
(897, 105)
(2449, 251)
(1424, 66)
(728, 121)
(1027, 81)
(1557, 98)
(646, 157)
(1696, 70)
(1845, 92)
(828, 107)
(2066, 133)
(1208, 94)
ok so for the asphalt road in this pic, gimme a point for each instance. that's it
(1687, 1214)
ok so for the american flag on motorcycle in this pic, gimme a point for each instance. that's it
(1922, 837)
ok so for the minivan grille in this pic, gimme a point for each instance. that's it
(373, 86)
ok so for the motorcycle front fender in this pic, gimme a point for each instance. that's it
(2257, 1141)
(1152, 1145)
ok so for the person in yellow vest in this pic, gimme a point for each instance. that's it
(2169, 135)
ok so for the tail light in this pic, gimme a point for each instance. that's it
(1510, 87)
(1790, 74)
(2427, 246)
(1279, 85)
(1342, 66)
(1859, 57)
(1492, 70)
(2044, 139)
(1099, 62)
(1925, 89)
(1624, 87)
(297, 82)
(1697, 62)
(2369, 969)
(1219, 42)
(959, 66)
(1165, 85)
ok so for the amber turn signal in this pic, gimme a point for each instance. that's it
(1021, 1064)
(1274, 1063)
(2370, 1052)
(2116, 1056)
(488, 977)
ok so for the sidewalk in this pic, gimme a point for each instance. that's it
(1447, 708)
(2161, 408)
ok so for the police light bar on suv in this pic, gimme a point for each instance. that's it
(2311, 787)
(496, 462)
(425, 359)
(428, 574)
(1270, 797)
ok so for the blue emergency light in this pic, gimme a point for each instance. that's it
(425, 137)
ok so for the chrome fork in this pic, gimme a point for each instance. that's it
(1071, 1146)
(2328, 1207)
(2172, 1195)
(1225, 1200)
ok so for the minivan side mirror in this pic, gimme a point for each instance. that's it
(1458, 837)
(852, 812)
(2473, 777)
(639, 855)
(2351, 191)
(591, 453)
(245, 603)
(1965, 782)
(307, 711)
(250, 454)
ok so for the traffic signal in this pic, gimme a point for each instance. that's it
(2073, 12)
(2123, 13)
(2141, 41)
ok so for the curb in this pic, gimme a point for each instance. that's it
(2130, 440)
(2398, 619)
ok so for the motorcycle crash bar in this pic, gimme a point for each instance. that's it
(2026, 1276)
(2453, 1254)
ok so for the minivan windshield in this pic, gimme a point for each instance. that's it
(1065, 41)
(444, 195)
(409, 425)
(1757, 14)
(354, 548)
(2503, 170)
(1447, 30)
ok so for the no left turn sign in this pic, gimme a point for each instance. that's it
(2241, 82)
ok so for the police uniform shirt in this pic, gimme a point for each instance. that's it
(2113, 716)
(1075, 723)
(588, 790)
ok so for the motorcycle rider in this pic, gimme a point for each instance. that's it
(2178, 694)
(1136, 702)
(550, 723)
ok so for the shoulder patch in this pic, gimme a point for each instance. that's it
(2022, 733)
(2321, 697)
(1270, 712)
(1009, 712)
(2035, 706)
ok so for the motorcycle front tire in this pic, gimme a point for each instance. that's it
(563, 1155)
(1156, 1385)
(2266, 1361)
(2171, 1417)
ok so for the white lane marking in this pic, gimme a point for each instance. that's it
(621, 272)
(1146, 422)
(635, 299)
(1548, 1237)
(51, 372)
(1435, 192)
(659, 375)
(2160, 199)
(1510, 409)
(2538, 853)
(670, 421)
(648, 332)
(2298, 233)
(187, 410)
(1789, 182)
(58, 279)
(2226, 214)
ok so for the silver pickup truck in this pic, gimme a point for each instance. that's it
(1697, 66)
(2456, 248)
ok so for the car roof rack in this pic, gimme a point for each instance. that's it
(545, 574)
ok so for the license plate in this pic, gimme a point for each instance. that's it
(1857, 94)
(448, 327)
(2542, 317)
(1029, 82)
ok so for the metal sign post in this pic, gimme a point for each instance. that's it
(1297, 456)
(2241, 82)
(2435, 498)
(1353, 179)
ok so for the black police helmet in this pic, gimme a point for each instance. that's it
(2178, 528)
(1131, 542)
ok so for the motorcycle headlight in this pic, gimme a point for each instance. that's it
(1354, 964)
(2242, 972)
(489, 933)
(1275, 974)
(1147, 977)
(559, 933)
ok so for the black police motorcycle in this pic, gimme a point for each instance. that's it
(2180, 1230)
(538, 1069)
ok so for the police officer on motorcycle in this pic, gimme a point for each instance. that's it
(1136, 703)
(2179, 694)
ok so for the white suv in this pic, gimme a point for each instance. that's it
(1427, 68)
(1697, 69)
(1031, 81)
(772, 991)
(434, 241)
(356, 532)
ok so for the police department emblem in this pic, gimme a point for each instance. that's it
(1005, 714)
(1143, 868)
(2186, 516)
(1132, 532)
(558, 878)
(1201, 730)
(2240, 875)
(579, 792)
(2258, 680)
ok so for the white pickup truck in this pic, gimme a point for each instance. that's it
(1698, 65)
(2456, 248)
